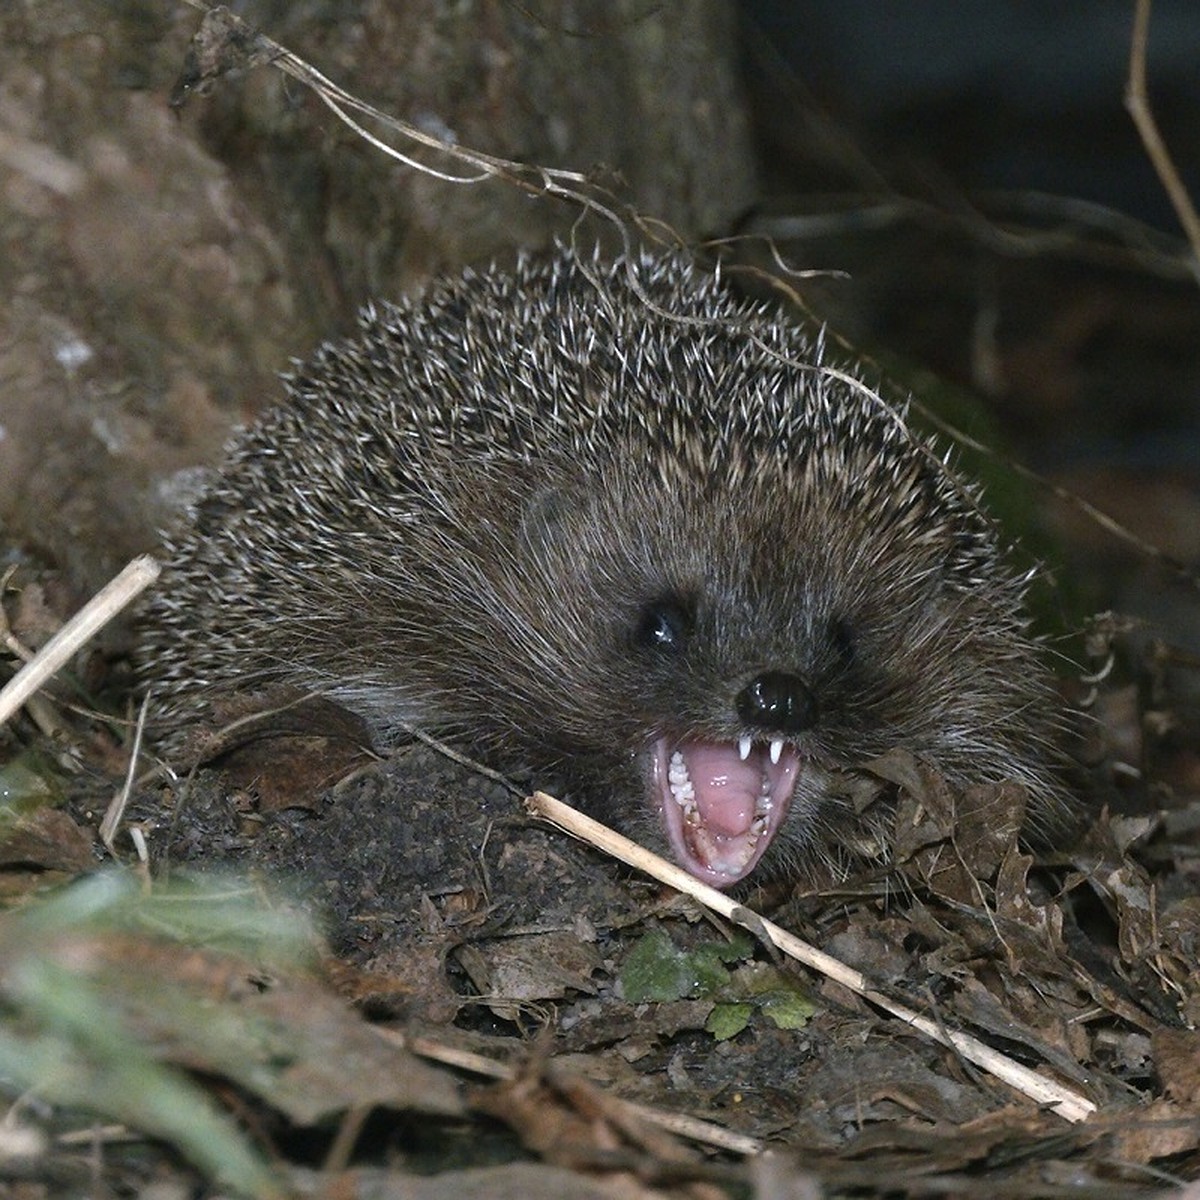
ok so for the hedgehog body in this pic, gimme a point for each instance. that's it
(661, 554)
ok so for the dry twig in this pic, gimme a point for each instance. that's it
(84, 625)
(693, 1128)
(1137, 103)
(225, 42)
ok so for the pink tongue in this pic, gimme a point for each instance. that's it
(726, 788)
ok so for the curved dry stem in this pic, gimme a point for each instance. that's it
(1137, 103)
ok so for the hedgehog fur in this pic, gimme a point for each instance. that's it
(643, 541)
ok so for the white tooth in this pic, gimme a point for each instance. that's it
(680, 783)
(776, 750)
(677, 772)
(744, 748)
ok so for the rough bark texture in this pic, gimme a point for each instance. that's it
(160, 268)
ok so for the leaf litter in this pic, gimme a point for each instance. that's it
(426, 906)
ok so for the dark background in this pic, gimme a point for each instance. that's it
(973, 168)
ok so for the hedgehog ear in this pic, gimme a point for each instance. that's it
(543, 524)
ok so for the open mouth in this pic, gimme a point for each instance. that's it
(723, 802)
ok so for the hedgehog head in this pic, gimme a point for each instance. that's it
(694, 638)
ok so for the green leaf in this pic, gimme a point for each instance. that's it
(655, 970)
(780, 997)
(26, 784)
(788, 1010)
(658, 970)
(728, 1020)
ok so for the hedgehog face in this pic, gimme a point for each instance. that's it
(727, 744)
(736, 655)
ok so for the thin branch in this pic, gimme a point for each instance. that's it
(116, 810)
(1138, 105)
(225, 43)
(693, 1128)
(84, 625)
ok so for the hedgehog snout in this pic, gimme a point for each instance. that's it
(778, 702)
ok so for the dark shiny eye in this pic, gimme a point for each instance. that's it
(842, 635)
(664, 625)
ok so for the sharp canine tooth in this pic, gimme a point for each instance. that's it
(776, 750)
(744, 748)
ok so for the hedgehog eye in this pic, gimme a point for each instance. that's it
(664, 625)
(842, 635)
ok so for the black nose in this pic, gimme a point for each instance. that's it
(777, 701)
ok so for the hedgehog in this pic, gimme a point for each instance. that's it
(609, 525)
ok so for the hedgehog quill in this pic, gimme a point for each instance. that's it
(684, 568)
